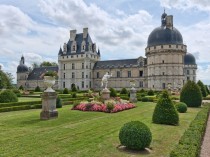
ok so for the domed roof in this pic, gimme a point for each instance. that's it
(189, 59)
(166, 33)
(162, 35)
(22, 68)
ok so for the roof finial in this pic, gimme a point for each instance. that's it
(164, 10)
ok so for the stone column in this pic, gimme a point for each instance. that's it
(133, 95)
(48, 105)
(105, 94)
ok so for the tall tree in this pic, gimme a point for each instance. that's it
(46, 64)
(202, 87)
(207, 89)
(6, 80)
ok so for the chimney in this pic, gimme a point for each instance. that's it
(169, 21)
(72, 35)
(85, 32)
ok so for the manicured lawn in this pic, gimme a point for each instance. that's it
(24, 99)
(83, 134)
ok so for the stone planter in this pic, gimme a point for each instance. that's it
(49, 81)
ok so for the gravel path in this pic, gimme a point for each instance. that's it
(205, 148)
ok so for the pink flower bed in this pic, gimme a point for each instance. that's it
(103, 107)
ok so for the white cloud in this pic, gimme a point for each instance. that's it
(203, 74)
(203, 5)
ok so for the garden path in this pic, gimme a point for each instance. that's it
(205, 148)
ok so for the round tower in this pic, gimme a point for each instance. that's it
(165, 53)
(22, 73)
(190, 67)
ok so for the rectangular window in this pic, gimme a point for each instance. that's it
(64, 66)
(90, 65)
(73, 66)
(97, 75)
(193, 72)
(161, 46)
(163, 73)
(90, 75)
(141, 73)
(83, 66)
(188, 78)
(73, 75)
(141, 84)
(86, 76)
(83, 84)
(163, 85)
(64, 75)
(188, 72)
(83, 75)
(162, 61)
(64, 86)
(129, 73)
(169, 47)
(118, 73)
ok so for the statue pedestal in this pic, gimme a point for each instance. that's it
(49, 105)
(133, 95)
(105, 94)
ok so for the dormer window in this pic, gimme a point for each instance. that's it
(74, 47)
(83, 46)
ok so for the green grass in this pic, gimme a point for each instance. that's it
(84, 134)
(26, 99)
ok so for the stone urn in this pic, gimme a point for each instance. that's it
(49, 81)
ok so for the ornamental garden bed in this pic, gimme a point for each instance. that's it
(109, 106)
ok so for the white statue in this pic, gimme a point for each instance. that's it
(105, 79)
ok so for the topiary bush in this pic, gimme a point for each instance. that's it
(135, 135)
(74, 95)
(65, 91)
(165, 112)
(203, 88)
(37, 89)
(109, 107)
(8, 96)
(124, 91)
(181, 107)
(21, 88)
(58, 102)
(191, 94)
(113, 92)
(73, 88)
(150, 92)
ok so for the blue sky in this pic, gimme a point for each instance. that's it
(120, 28)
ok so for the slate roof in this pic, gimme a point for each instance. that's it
(116, 63)
(189, 59)
(38, 73)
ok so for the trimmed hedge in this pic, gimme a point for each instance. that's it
(7, 96)
(150, 92)
(17, 108)
(203, 88)
(19, 103)
(124, 91)
(190, 143)
(113, 92)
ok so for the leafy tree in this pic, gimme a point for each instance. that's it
(113, 92)
(5, 80)
(191, 94)
(21, 88)
(165, 111)
(202, 87)
(207, 89)
(124, 91)
(47, 64)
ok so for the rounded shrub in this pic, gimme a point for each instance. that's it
(113, 92)
(37, 89)
(150, 92)
(65, 91)
(58, 102)
(181, 107)
(73, 88)
(165, 112)
(135, 135)
(191, 94)
(124, 91)
(203, 88)
(8, 96)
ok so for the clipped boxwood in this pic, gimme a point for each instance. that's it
(203, 88)
(135, 135)
(191, 94)
(58, 102)
(144, 99)
(8, 96)
(113, 92)
(124, 91)
(165, 112)
(190, 143)
(19, 103)
(181, 107)
(65, 91)
(150, 92)
(37, 89)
